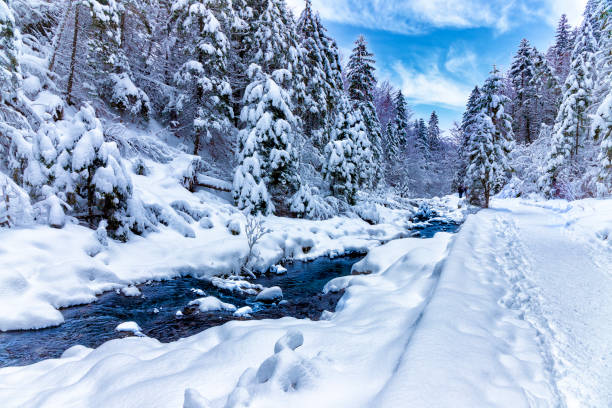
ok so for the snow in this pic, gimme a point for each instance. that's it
(210, 304)
(131, 327)
(69, 266)
(131, 291)
(500, 315)
(270, 295)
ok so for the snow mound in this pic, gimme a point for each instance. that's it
(286, 371)
(270, 295)
(211, 303)
(130, 327)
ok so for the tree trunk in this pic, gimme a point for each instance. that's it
(75, 41)
(59, 37)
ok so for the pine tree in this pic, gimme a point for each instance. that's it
(422, 138)
(602, 122)
(322, 76)
(466, 130)
(266, 151)
(562, 49)
(547, 90)
(400, 123)
(361, 85)
(203, 78)
(108, 62)
(9, 66)
(522, 72)
(491, 141)
(433, 133)
(602, 130)
(102, 186)
(572, 125)
(349, 158)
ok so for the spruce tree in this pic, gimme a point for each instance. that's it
(9, 66)
(422, 139)
(522, 72)
(466, 130)
(361, 86)
(491, 141)
(400, 122)
(433, 133)
(562, 49)
(572, 125)
(267, 169)
(108, 62)
(322, 76)
(547, 90)
(203, 78)
(348, 165)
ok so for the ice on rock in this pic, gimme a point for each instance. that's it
(270, 295)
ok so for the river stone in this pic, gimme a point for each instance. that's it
(270, 295)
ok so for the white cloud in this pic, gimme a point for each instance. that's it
(431, 87)
(415, 16)
(462, 61)
(573, 8)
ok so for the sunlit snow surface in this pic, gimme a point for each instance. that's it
(513, 311)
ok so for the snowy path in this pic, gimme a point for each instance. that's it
(571, 273)
(512, 312)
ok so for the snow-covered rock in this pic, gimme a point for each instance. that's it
(211, 303)
(270, 295)
(130, 327)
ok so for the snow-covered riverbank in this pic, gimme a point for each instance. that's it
(43, 269)
(491, 317)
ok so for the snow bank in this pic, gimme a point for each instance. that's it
(343, 361)
(68, 266)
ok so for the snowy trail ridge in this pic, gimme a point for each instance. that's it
(513, 311)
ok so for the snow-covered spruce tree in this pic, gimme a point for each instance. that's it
(348, 166)
(602, 129)
(490, 143)
(560, 54)
(602, 122)
(522, 72)
(108, 62)
(604, 54)
(267, 169)
(401, 127)
(361, 85)
(572, 125)
(205, 96)
(433, 133)
(422, 139)
(547, 90)
(322, 77)
(102, 186)
(9, 66)
(465, 131)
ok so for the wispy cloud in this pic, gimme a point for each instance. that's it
(417, 16)
(431, 87)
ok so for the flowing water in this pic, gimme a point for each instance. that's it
(155, 310)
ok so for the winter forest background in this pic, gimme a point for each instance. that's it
(268, 109)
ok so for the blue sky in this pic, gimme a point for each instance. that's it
(437, 50)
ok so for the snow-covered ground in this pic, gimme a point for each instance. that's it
(43, 269)
(513, 311)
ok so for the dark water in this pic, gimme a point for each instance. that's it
(155, 311)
